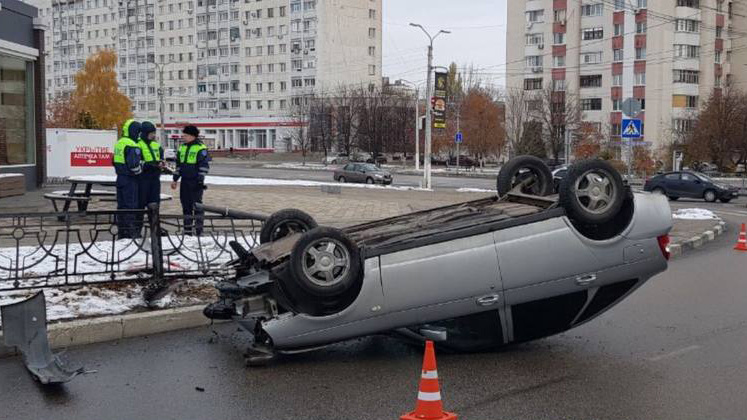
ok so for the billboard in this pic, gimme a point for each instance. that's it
(439, 101)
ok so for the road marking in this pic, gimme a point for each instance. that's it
(673, 353)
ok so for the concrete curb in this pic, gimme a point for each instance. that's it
(678, 248)
(109, 328)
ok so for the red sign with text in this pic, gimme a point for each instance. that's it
(91, 156)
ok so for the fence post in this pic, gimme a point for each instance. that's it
(155, 242)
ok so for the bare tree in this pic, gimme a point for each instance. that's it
(298, 117)
(717, 132)
(320, 124)
(517, 116)
(345, 116)
(558, 112)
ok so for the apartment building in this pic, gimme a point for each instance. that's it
(668, 55)
(234, 67)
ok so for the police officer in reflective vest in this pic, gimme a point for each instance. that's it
(191, 166)
(150, 180)
(128, 166)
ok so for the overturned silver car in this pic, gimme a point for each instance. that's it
(472, 276)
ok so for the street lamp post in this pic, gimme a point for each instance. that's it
(161, 95)
(428, 96)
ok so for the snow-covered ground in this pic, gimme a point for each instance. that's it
(694, 214)
(476, 190)
(95, 300)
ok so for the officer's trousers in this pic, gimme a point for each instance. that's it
(127, 199)
(190, 194)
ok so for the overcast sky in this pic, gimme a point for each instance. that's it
(478, 36)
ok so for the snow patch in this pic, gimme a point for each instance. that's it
(476, 190)
(694, 214)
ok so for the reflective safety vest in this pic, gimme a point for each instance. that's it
(152, 153)
(191, 157)
(119, 149)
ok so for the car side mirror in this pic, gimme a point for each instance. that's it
(697, 181)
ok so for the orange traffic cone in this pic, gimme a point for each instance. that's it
(742, 242)
(429, 405)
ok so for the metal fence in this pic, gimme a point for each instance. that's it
(54, 249)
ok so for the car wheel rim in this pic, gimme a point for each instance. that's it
(595, 191)
(710, 196)
(326, 262)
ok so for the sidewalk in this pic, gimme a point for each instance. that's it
(351, 206)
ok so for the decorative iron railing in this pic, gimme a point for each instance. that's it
(53, 249)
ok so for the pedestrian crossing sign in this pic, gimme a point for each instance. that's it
(631, 129)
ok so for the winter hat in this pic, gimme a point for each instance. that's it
(146, 127)
(191, 130)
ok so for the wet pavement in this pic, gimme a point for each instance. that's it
(672, 350)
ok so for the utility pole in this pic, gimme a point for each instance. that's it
(457, 143)
(428, 113)
(162, 104)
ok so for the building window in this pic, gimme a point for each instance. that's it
(686, 76)
(17, 134)
(717, 57)
(682, 125)
(619, 29)
(591, 58)
(533, 84)
(617, 80)
(371, 51)
(640, 79)
(595, 9)
(372, 32)
(684, 101)
(558, 85)
(372, 70)
(591, 104)
(687, 25)
(640, 27)
(559, 38)
(640, 53)
(695, 4)
(535, 16)
(686, 51)
(618, 54)
(592, 33)
(535, 39)
(534, 61)
(558, 61)
(591, 81)
(617, 104)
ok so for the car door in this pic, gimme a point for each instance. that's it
(442, 280)
(348, 172)
(692, 186)
(672, 185)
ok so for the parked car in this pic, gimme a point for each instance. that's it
(464, 161)
(688, 184)
(169, 155)
(362, 172)
(471, 276)
(336, 159)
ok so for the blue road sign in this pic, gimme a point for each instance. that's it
(458, 138)
(631, 129)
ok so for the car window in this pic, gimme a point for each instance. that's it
(688, 178)
(349, 167)
(703, 177)
(561, 173)
(369, 167)
(672, 177)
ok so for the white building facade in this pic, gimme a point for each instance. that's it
(232, 67)
(668, 55)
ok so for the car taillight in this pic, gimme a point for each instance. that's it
(664, 245)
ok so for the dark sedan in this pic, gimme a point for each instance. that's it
(691, 185)
(363, 172)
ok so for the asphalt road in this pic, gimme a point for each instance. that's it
(672, 350)
(245, 170)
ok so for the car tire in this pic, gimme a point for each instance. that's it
(285, 222)
(325, 263)
(341, 179)
(592, 192)
(673, 198)
(509, 176)
(370, 181)
(709, 196)
(725, 200)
